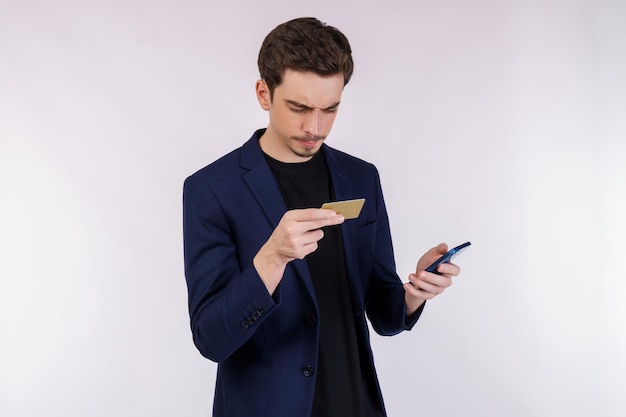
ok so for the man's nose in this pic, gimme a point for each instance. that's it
(312, 123)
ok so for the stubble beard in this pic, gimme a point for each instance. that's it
(308, 152)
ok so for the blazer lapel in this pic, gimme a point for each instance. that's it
(339, 177)
(263, 185)
(342, 184)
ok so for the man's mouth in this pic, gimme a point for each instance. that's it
(309, 142)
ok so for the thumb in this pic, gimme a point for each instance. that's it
(441, 248)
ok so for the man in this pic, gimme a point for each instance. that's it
(278, 287)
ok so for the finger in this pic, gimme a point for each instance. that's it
(312, 236)
(431, 256)
(310, 214)
(441, 248)
(425, 286)
(310, 219)
(418, 293)
(318, 224)
(307, 249)
(449, 269)
(438, 280)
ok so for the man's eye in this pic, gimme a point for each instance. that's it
(331, 110)
(298, 109)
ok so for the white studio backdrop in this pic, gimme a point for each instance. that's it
(499, 122)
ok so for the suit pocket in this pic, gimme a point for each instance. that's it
(246, 387)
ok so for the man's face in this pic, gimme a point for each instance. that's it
(302, 112)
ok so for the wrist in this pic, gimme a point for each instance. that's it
(412, 304)
(270, 268)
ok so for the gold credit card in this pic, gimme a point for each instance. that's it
(349, 209)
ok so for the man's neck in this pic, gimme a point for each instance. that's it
(272, 146)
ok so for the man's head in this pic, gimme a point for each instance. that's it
(306, 45)
(304, 67)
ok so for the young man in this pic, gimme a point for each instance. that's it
(278, 287)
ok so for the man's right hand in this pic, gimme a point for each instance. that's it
(295, 237)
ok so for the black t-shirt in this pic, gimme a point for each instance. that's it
(342, 388)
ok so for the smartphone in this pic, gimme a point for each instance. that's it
(447, 257)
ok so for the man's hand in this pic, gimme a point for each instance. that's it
(424, 285)
(295, 237)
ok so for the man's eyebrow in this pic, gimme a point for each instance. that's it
(304, 106)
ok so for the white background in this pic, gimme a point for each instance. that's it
(499, 122)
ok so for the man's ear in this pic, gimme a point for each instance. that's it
(263, 94)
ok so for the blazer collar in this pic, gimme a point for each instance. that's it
(260, 179)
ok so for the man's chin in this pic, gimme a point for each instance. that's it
(307, 153)
(306, 149)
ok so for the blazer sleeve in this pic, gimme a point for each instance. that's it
(227, 298)
(386, 306)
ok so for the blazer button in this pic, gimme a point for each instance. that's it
(311, 320)
(245, 324)
(307, 370)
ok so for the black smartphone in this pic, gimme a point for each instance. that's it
(447, 257)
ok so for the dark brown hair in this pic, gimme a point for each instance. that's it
(304, 44)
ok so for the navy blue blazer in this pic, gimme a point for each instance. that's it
(266, 346)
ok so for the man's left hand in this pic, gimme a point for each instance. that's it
(424, 285)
